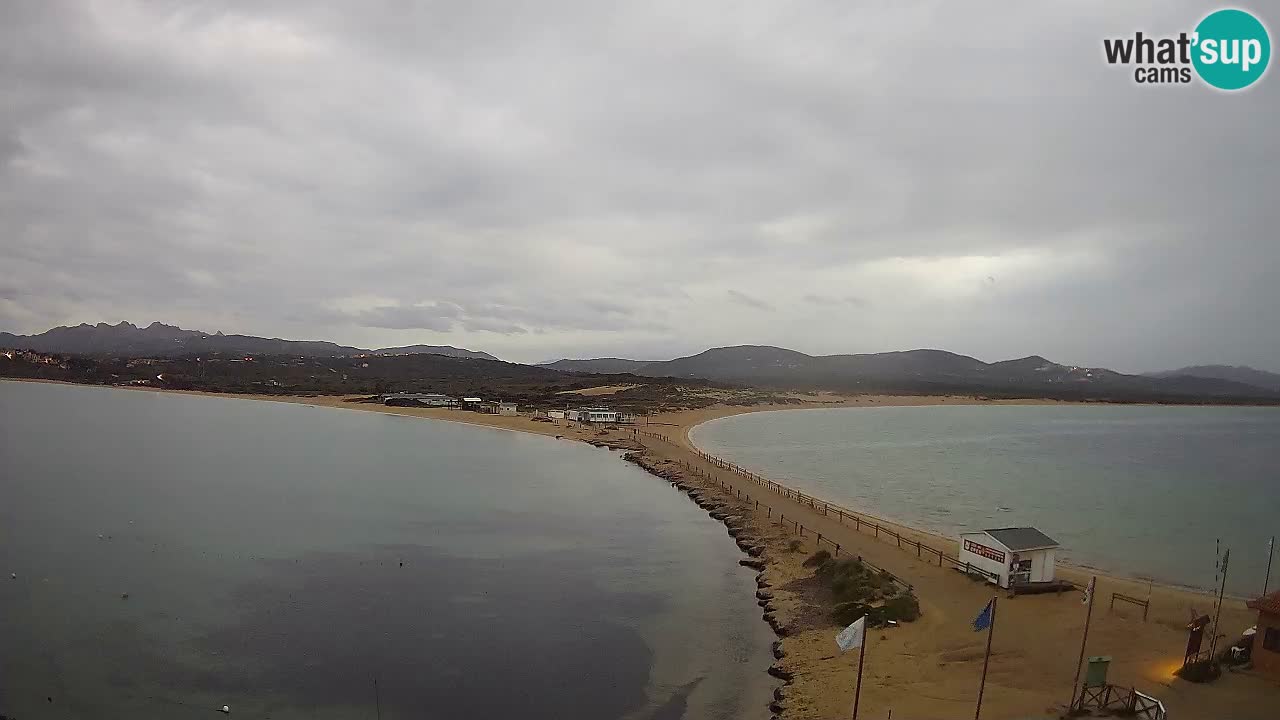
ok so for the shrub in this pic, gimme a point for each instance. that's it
(817, 559)
(795, 545)
(847, 612)
(850, 581)
(903, 608)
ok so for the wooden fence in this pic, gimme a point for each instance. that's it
(1144, 604)
(845, 516)
(1120, 700)
(791, 524)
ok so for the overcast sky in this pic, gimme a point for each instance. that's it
(551, 179)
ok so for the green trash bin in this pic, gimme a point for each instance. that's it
(1096, 674)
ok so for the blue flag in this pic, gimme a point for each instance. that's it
(983, 621)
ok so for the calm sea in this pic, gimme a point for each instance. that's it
(282, 559)
(1146, 491)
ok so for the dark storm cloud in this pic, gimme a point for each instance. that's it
(580, 178)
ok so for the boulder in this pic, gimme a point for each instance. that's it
(777, 671)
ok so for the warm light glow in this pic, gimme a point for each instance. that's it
(1165, 669)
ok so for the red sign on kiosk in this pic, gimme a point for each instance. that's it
(984, 551)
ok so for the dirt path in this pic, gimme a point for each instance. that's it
(931, 668)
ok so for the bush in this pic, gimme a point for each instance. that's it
(849, 567)
(848, 612)
(817, 559)
(856, 590)
(903, 608)
(795, 545)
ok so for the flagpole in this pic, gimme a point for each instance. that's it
(1271, 551)
(1217, 614)
(1075, 684)
(986, 659)
(862, 654)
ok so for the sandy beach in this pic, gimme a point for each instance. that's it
(929, 668)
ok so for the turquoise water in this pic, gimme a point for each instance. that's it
(280, 558)
(1146, 491)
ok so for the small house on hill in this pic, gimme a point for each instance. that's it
(1265, 654)
(1023, 556)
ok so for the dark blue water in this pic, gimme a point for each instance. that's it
(281, 558)
(1145, 491)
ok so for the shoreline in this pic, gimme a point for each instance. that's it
(940, 538)
(927, 668)
(683, 422)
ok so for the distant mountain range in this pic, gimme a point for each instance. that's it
(922, 372)
(1234, 373)
(601, 365)
(159, 340)
(447, 350)
(919, 371)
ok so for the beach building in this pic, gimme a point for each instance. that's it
(419, 400)
(1265, 654)
(594, 415)
(471, 403)
(506, 408)
(556, 414)
(1021, 555)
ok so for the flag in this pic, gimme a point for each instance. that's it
(852, 636)
(1088, 591)
(983, 621)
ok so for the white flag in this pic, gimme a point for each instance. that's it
(852, 636)
(1088, 591)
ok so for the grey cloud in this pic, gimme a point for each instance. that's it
(751, 302)
(434, 316)
(494, 326)
(582, 178)
(829, 300)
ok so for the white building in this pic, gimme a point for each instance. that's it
(419, 399)
(556, 414)
(506, 408)
(594, 415)
(1023, 554)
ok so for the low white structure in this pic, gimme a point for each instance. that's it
(505, 408)
(555, 414)
(1022, 555)
(419, 399)
(594, 415)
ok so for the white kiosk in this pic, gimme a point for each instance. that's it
(1022, 555)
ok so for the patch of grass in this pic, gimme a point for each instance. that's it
(858, 590)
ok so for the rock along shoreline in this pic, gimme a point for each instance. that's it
(737, 517)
